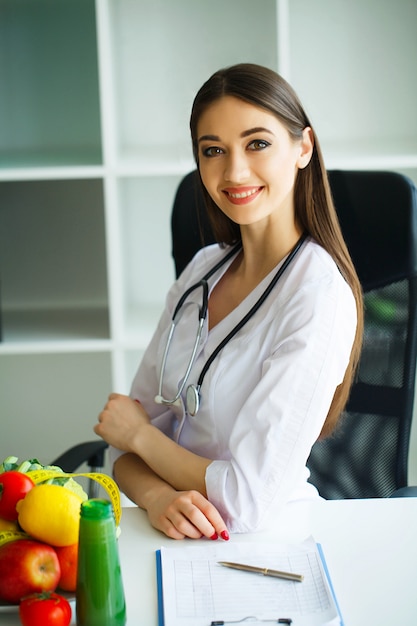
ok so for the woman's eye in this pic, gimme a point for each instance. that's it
(258, 144)
(212, 151)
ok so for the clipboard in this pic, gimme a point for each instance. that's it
(189, 557)
(160, 591)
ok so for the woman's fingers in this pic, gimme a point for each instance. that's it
(183, 527)
(213, 516)
(207, 518)
(192, 515)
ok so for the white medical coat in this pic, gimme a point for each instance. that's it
(266, 395)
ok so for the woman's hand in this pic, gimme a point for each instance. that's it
(120, 421)
(177, 511)
(124, 424)
(181, 514)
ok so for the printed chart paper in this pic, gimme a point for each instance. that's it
(195, 590)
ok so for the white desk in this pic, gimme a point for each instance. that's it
(370, 548)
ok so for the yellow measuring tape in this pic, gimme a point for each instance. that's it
(40, 476)
(11, 535)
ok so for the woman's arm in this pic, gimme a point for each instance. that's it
(125, 424)
(171, 487)
(177, 514)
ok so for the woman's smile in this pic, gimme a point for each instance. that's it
(242, 195)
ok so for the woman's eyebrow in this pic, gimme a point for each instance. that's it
(253, 131)
(209, 138)
(245, 133)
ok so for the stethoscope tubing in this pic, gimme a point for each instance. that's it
(251, 311)
(202, 318)
(193, 391)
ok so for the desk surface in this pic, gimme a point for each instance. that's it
(370, 548)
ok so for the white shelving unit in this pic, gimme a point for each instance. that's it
(353, 70)
(94, 141)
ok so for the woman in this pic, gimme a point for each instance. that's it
(282, 377)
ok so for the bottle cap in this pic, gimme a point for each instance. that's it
(96, 508)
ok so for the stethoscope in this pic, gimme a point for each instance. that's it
(192, 399)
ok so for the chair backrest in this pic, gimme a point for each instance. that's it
(368, 455)
(92, 453)
(190, 226)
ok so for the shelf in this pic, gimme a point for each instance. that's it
(47, 330)
(190, 40)
(59, 347)
(155, 161)
(132, 360)
(48, 61)
(360, 158)
(53, 172)
(355, 81)
(56, 159)
(94, 140)
(50, 401)
(52, 245)
(140, 325)
(147, 267)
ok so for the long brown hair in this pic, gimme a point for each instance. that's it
(314, 208)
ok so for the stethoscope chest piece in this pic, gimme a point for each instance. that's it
(193, 400)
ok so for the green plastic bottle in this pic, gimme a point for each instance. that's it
(100, 599)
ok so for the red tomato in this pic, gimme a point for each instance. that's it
(14, 486)
(45, 609)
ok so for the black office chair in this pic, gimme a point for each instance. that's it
(91, 453)
(368, 455)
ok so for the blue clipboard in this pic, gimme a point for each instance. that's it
(329, 580)
(160, 593)
(161, 619)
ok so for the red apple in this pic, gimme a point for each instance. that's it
(27, 566)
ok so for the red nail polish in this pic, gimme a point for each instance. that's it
(215, 536)
(225, 535)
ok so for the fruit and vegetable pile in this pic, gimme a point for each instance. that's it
(39, 524)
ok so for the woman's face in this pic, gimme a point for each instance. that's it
(248, 162)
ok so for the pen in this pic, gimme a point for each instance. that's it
(280, 620)
(263, 570)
